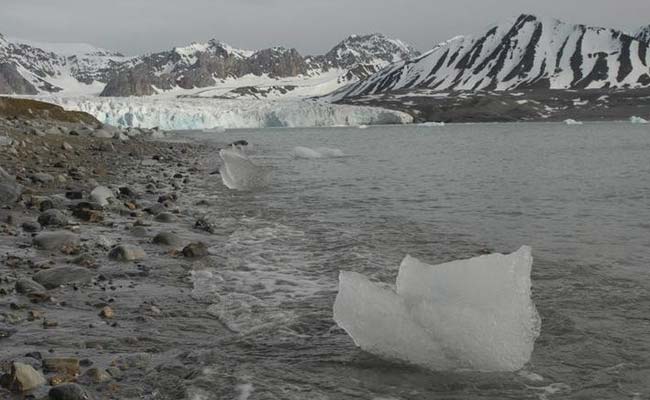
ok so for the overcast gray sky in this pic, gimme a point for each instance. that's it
(311, 26)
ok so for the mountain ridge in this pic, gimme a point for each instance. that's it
(527, 53)
(30, 67)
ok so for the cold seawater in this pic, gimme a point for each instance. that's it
(578, 195)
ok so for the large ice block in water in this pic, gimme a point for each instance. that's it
(378, 320)
(239, 172)
(469, 314)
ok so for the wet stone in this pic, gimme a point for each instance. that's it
(6, 331)
(66, 365)
(167, 239)
(88, 215)
(55, 240)
(28, 286)
(31, 226)
(195, 250)
(203, 225)
(126, 252)
(166, 217)
(74, 195)
(107, 313)
(65, 275)
(97, 375)
(139, 231)
(24, 377)
(69, 391)
(53, 217)
(42, 178)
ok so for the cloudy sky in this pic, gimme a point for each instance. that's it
(311, 26)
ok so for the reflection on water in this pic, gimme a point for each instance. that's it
(577, 195)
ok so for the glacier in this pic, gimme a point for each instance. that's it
(197, 114)
(474, 314)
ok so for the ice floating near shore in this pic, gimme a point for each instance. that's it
(239, 172)
(431, 124)
(572, 122)
(638, 120)
(470, 314)
(320, 152)
(216, 129)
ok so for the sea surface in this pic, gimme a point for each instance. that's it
(578, 195)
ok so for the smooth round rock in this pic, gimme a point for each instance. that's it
(167, 239)
(53, 217)
(55, 240)
(125, 252)
(69, 391)
(65, 275)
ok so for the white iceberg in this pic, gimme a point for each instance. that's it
(638, 120)
(572, 122)
(239, 172)
(471, 314)
(320, 152)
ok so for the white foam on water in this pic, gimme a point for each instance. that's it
(265, 266)
(240, 173)
(531, 376)
(470, 314)
(553, 389)
(245, 390)
(246, 314)
(320, 152)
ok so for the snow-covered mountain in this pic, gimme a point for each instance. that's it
(220, 70)
(643, 34)
(212, 69)
(28, 67)
(528, 52)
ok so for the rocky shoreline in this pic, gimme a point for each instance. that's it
(97, 241)
(532, 105)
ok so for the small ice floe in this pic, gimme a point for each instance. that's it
(319, 152)
(572, 122)
(216, 129)
(638, 120)
(431, 124)
(470, 314)
(362, 126)
(239, 172)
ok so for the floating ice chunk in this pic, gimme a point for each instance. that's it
(320, 152)
(470, 314)
(638, 120)
(572, 122)
(362, 126)
(239, 172)
(379, 322)
(431, 124)
(216, 129)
